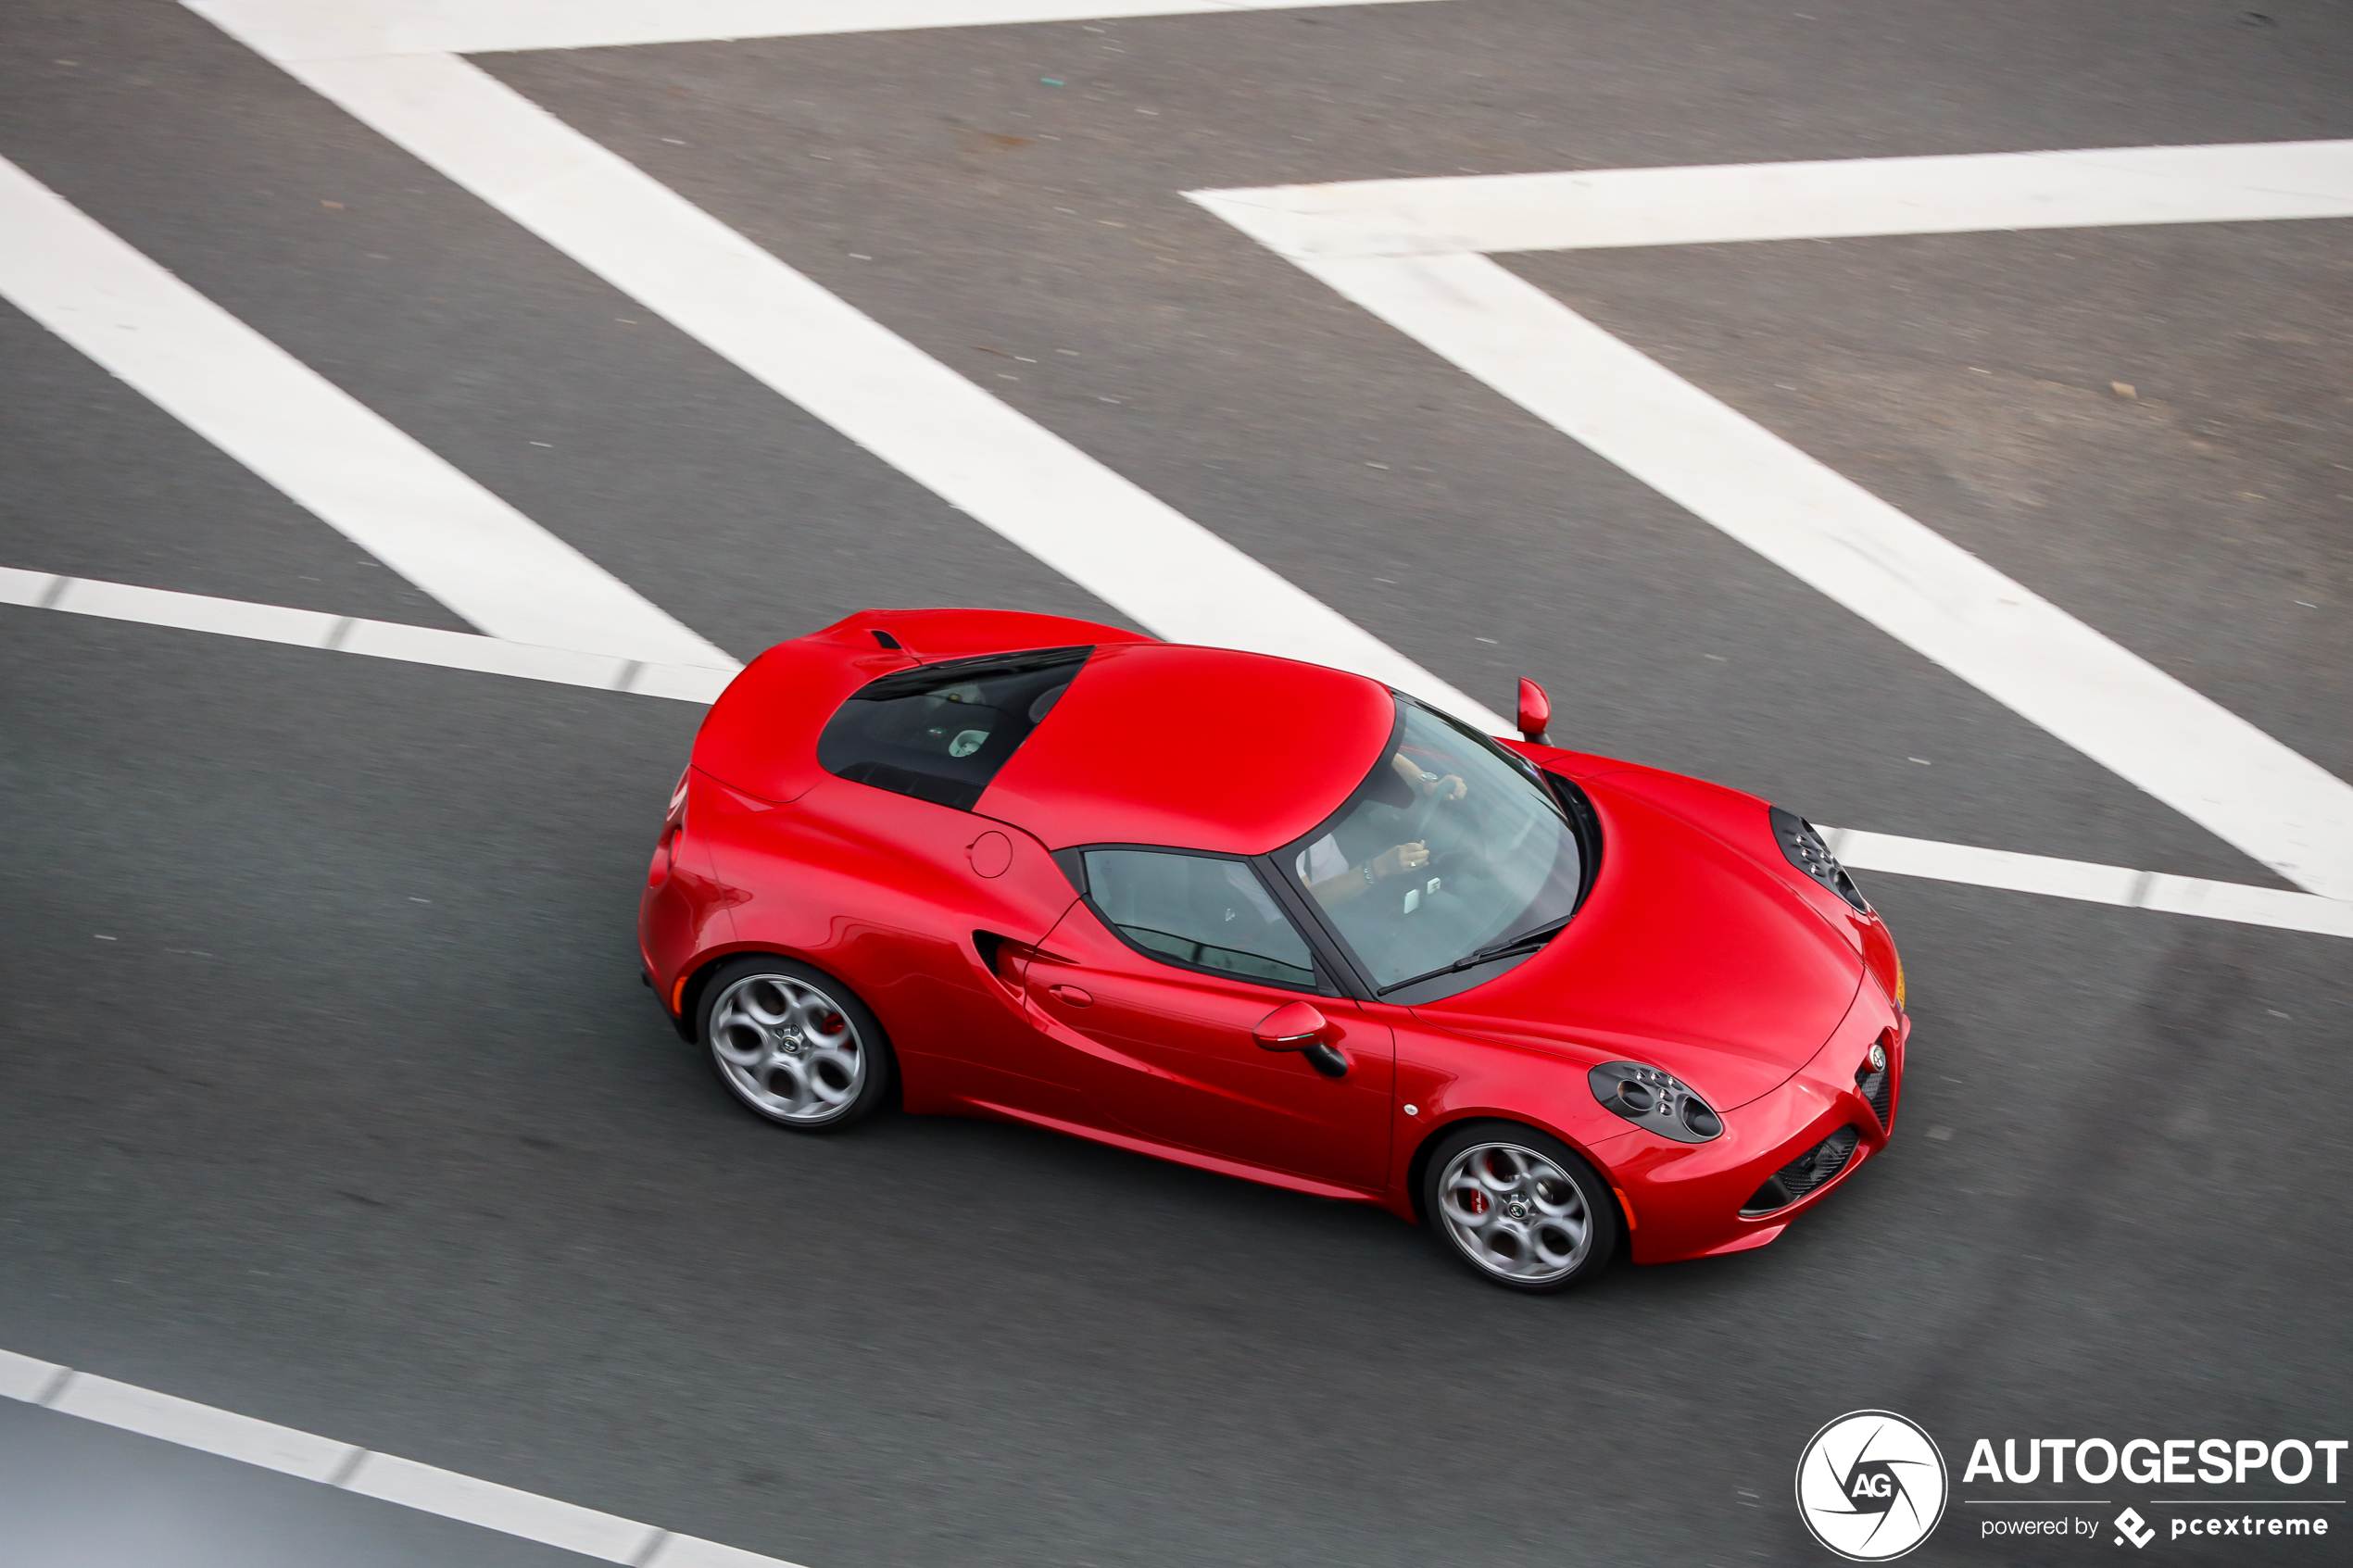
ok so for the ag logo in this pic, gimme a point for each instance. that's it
(1871, 1486)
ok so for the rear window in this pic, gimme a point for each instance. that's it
(939, 732)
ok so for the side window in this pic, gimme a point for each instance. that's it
(1201, 911)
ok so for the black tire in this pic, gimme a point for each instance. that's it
(1530, 1239)
(794, 1046)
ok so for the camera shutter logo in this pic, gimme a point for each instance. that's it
(1871, 1486)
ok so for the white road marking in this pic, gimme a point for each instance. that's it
(304, 30)
(1842, 198)
(2006, 869)
(1902, 577)
(1111, 537)
(372, 639)
(378, 487)
(1177, 578)
(350, 1468)
(459, 650)
(191, 1425)
(504, 1508)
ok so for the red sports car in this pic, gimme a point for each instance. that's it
(1276, 921)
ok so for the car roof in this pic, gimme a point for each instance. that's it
(1197, 747)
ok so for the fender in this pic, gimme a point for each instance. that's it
(1450, 1078)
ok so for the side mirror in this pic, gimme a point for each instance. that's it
(1535, 713)
(1296, 1026)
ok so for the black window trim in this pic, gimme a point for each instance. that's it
(1331, 978)
(1586, 824)
(922, 678)
(1361, 984)
(1323, 939)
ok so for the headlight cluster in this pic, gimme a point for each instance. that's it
(1650, 1098)
(1810, 854)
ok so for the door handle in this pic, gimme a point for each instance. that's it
(1070, 995)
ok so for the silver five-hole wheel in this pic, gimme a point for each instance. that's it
(1514, 1213)
(789, 1050)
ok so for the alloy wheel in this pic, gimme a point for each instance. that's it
(788, 1050)
(1514, 1213)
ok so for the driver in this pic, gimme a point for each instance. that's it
(1335, 880)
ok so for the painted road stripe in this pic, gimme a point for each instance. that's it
(346, 1467)
(457, 651)
(493, 1506)
(1124, 545)
(2237, 902)
(304, 30)
(378, 487)
(1844, 198)
(192, 1426)
(1177, 578)
(1902, 577)
(374, 639)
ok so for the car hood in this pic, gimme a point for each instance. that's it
(1694, 952)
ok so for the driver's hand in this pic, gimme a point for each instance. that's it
(1450, 787)
(1404, 858)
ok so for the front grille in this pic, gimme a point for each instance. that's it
(1804, 1173)
(1878, 1087)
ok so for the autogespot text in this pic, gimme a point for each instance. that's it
(2147, 1461)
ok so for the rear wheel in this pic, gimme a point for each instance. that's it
(793, 1044)
(1519, 1206)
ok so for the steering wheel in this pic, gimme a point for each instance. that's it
(1416, 830)
(1419, 821)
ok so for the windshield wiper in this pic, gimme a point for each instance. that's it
(1527, 941)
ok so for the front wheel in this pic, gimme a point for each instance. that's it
(1519, 1206)
(793, 1044)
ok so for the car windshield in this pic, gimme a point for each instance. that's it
(1451, 844)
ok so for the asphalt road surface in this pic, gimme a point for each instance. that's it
(330, 1096)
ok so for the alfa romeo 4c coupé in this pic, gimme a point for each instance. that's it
(1276, 921)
